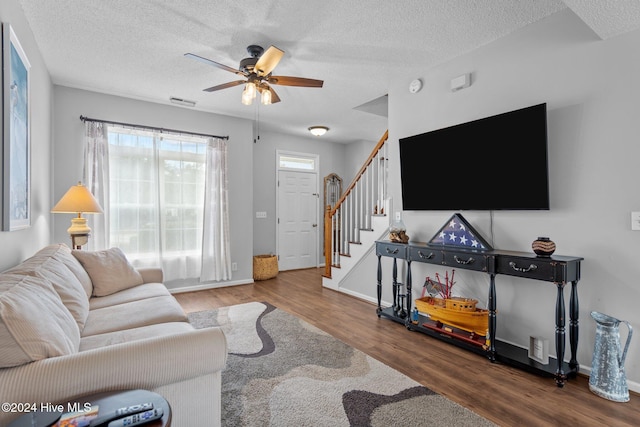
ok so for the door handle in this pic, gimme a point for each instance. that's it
(314, 225)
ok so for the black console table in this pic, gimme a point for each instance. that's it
(559, 270)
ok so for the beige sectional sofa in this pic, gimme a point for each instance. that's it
(75, 323)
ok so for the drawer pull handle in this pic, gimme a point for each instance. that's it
(423, 256)
(521, 269)
(392, 252)
(461, 261)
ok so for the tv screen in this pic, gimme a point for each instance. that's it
(494, 163)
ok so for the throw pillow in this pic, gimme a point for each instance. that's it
(34, 324)
(109, 270)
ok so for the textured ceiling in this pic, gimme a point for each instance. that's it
(136, 48)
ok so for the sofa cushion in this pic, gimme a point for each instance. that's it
(34, 324)
(146, 290)
(134, 314)
(48, 264)
(109, 269)
(62, 253)
(135, 334)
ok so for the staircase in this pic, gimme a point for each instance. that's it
(358, 219)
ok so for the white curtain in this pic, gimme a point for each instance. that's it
(216, 253)
(164, 199)
(157, 199)
(96, 179)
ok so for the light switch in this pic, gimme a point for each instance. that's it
(635, 221)
(261, 214)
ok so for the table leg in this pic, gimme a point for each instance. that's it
(396, 300)
(574, 313)
(492, 317)
(560, 335)
(379, 309)
(408, 290)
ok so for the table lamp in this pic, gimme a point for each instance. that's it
(78, 200)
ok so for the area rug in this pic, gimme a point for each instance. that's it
(282, 371)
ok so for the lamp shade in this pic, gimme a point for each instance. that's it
(77, 200)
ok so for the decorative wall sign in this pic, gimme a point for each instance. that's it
(16, 149)
(457, 232)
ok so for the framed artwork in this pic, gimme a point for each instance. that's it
(16, 143)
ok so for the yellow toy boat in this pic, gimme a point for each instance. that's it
(459, 313)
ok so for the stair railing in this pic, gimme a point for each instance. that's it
(365, 197)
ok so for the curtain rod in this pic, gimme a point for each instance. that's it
(87, 119)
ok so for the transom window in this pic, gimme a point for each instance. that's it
(292, 161)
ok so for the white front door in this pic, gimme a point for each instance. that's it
(297, 220)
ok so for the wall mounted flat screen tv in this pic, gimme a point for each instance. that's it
(495, 163)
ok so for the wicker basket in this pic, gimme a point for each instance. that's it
(265, 267)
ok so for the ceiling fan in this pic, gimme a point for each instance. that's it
(256, 71)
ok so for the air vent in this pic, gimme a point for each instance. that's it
(181, 101)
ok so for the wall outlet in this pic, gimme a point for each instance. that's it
(234, 266)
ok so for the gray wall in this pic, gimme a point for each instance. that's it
(18, 245)
(590, 87)
(69, 104)
(264, 180)
(355, 155)
(252, 166)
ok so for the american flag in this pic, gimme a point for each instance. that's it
(458, 233)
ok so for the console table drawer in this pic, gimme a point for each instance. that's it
(394, 250)
(428, 255)
(466, 260)
(531, 268)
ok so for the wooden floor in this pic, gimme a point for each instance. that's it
(505, 395)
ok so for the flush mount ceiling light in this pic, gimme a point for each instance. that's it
(318, 130)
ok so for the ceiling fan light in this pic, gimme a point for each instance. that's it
(251, 89)
(266, 97)
(247, 99)
(318, 130)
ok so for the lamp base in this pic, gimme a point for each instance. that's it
(79, 226)
(79, 232)
(77, 240)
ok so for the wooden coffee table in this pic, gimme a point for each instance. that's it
(106, 402)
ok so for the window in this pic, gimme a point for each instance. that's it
(157, 196)
(294, 161)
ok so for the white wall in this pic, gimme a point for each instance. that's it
(70, 103)
(331, 157)
(591, 90)
(15, 246)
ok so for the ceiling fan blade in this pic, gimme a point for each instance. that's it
(215, 64)
(268, 61)
(225, 85)
(294, 81)
(274, 96)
